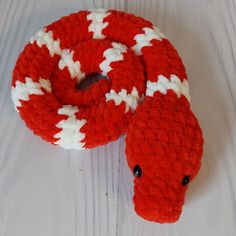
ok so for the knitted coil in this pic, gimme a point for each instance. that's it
(145, 95)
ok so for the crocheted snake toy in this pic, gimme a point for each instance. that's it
(144, 94)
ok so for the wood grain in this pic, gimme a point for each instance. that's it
(47, 191)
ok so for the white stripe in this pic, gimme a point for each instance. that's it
(163, 84)
(131, 100)
(70, 136)
(144, 39)
(97, 25)
(112, 54)
(73, 66)
(46, 38)
(21, 91)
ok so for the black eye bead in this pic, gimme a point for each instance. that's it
(137, 171)
(185, 180)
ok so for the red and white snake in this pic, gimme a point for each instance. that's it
(145, 96)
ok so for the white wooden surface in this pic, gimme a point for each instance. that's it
(47, 191)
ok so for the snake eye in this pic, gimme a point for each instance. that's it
(137, 171)
(185, 180)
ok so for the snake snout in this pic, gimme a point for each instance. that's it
(162, 206)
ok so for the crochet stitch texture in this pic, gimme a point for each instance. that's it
(145, 96)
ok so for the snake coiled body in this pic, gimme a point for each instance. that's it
(145, 95)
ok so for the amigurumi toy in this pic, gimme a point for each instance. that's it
(144, 93)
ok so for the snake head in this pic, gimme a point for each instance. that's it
(163, 148)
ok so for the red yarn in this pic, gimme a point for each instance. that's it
(163, 136)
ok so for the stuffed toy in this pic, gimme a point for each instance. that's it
(143, 92)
